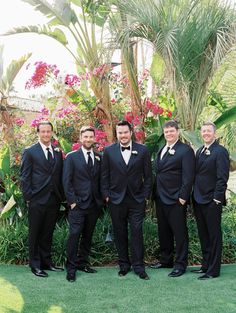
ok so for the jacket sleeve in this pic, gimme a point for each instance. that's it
(222, 174)
(26, 175)
(105, 176)
(67, 178)
(147, 174)
(188, 173)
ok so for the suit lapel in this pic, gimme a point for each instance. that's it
(42, 156)
(133, 155)
(97, 160)
(119, 157)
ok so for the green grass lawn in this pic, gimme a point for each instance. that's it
(105, 292)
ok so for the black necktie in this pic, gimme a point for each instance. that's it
(125, 148)
(90, 162)
(50, 158)
(165, 154)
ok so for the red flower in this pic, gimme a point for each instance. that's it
(129, 117)
(76, 146)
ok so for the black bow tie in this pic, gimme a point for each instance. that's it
(125, 148)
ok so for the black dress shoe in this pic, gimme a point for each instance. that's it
(143, 275)
(176, 273)
(87, 269)
(199, 271)
(70, 277)
(160, 265)
(38, 272)
(206, 276)
(53, 268)
(122, 273)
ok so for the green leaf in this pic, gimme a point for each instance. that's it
(227, 117)
(8, 208)
(5, 160)
(41, 30)
(13, 69)
(192, 137)
(66, 146)
(157, 68)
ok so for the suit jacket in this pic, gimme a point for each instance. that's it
(38, 177)
(175, 174)
(80, 185)
(117, 177)
(212, 173)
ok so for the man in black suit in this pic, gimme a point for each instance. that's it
(175, 166)
(81, 181)
(41, 173)
(212, 173)
(126, 183)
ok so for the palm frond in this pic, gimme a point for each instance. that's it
(56, 33)
(59, 13)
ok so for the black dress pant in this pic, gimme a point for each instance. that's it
(42, 221)
(81, 224)
(172, 229)
(208, 218)
(129, 212)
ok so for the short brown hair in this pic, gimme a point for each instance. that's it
(84, 129)
(125, 123)
(210, 124)
(171, 123)
(44, 123)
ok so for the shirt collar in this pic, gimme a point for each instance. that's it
(85, 151)
(45, 147)
(172, 145)
(208, 146)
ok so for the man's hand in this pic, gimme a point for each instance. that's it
(72, 206)
(107, 199)
(182, 201)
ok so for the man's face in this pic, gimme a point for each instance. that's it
(171, 135)
(45, 134)
(208, 134)
(87, 139)
(123, 135)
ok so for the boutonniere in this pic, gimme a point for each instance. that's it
(171, 151)
(57, 149)
(134, 152)
(97, 158)
(207, 152)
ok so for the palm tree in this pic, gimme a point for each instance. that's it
(191, 38)
(84, 22)
(6, 82)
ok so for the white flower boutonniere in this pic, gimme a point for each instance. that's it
(171, 151)
(207, 152)
(57, 149)
(97, 158)
(134, 152)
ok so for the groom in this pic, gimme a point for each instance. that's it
(126, 183)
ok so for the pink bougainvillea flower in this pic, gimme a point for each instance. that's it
(41, 74)
(19, 121)
(104, 122)
(76, 146)
(72, 80)
(45, 111)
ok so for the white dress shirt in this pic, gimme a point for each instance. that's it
(85, 152)
(45, 151)
(166, 147)
(126, 154)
